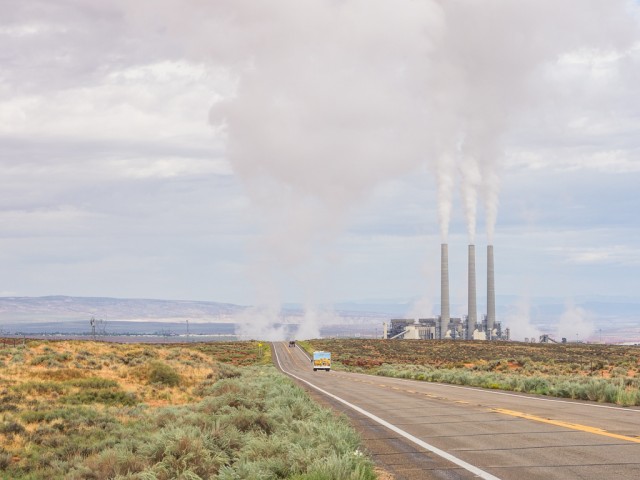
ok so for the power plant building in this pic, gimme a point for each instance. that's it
(445, 327)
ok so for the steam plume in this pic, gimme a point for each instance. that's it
(575, 323)
(519, 321)
(310, 131)
(334, 97)
(486, 59)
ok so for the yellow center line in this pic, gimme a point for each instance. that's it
(527, 416)
(288, 350)
(559, 423)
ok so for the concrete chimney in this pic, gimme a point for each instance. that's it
(491, 292)
(472, 316)
(444, 289)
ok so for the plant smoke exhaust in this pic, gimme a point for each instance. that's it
(444, 290)
(491, 292)
(334, 97)
(472, 314)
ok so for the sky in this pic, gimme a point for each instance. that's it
(318, 151)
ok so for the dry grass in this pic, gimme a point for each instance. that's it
(524, 358)
(72, 410)
(57, 362)
(603, 373)
(126, 364)
(47, 378)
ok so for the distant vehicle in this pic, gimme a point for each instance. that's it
(321, 361)
(292, 343)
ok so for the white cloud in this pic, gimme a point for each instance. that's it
(611, 254)
(28, 29)
(125, 105)
(104, 139)
(167, 167)
(572, 160)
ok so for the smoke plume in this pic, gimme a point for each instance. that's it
(328, 105)
(576, 323)
(333, 97)
(519, 321)
(487, 58)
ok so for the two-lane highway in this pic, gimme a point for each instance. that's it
(425, 430)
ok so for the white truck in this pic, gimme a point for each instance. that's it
(321, 361)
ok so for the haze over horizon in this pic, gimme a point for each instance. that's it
(317, 152)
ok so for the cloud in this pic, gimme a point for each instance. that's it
(573, 160)
(601, 255)
(327, 116)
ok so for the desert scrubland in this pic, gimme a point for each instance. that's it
(601, 373)
(93, 410)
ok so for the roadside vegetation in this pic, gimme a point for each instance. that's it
(600, 373)
(91, 410)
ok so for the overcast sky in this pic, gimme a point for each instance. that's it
(296, 151)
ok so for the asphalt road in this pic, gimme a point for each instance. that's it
(421, 430)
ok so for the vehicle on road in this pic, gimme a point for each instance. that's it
(321, 361)
(292, 343)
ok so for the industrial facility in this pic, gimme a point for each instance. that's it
(445, 327)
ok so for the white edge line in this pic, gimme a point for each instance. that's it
(305, 353)
(447, 456)
(493, 392)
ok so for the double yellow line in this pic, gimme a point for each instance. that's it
(560, 423)
(526, 416)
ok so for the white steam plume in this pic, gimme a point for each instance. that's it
(576, 323)
(445, 182)
(330, 103)
(519, 321)
(471, 179)
(485, 62)
(335, 96)
(423, 306)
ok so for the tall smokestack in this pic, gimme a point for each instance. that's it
(472, 317)
(444, 289)
(491, 292)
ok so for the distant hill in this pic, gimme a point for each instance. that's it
(607, 318)
(62, 309)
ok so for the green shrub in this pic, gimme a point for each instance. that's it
(40, 388)
(51, 359)
(255, 425)
(17, 358)
(226, 370)
(94, 382)
(163, 374)
(185, 452)
(247, 420)
(624, 391)
(5, 460)
(11, 427)
(114, 462)
(627, 398)
(107, 397)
